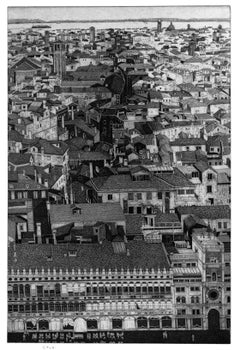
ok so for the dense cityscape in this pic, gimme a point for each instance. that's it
(119, 184)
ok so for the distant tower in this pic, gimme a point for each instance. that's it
(159, 26)
(59, 58)
(188, 27)
(92, 34)
(46, 37)
(191, 48)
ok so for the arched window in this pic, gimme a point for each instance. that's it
(64, 307)
(142, 322)
(166, 322)
(197, 300)
(27, 308)
(15, 291)
(27, 290)
(21, 290)
(70, 306)
(178, 300)
(40, 307)
(43, 325)
(214, 276)
(183, 300)
(31, 325)
(92, 324)
(45, 306)
(154, 323)
(76, 306)
(34, 308)
(82, 306)
(192, 300)
(21, 308)
(117, 323)
(57, 289)
(57, 307)
(51, 306)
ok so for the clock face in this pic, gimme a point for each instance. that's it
(213, 294)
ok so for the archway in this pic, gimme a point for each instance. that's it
(166, 322)
(105, 323)
(43, 325)
(80, 325)
(213, 320)
(117, 323)
(31, 324)
(68, 323)
(142, 322)
(154, 322)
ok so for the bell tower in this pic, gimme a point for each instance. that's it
(59, 58)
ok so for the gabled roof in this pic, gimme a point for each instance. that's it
(25, 64)
(50, 147)
(14, 135)
(19, 158)
(176, 179)
(25, 183)
(117, 183)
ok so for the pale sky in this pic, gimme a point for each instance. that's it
(116, 12)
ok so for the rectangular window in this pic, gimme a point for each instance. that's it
(110, 197)
(139, 210)
(196, 312)
(181, 312)
(210, 176)
(131, 210)
(19, 195)
(209, 189)
(25, 195)
(197, 322)
(181, 192)
(181, 323)
(225, 225)
(195, 174)
(43, 194)
(159, 195)
(139, 196)
(130, 196)
(219, 225)
(190, 191)
(149, 195)
(35, 194)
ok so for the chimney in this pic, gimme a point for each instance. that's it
(54, 236)
(91, 169)
(39, 232)
(14, 252)
(40, 179)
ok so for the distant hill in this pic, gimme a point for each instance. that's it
(24, 20)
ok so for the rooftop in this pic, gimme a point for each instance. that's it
(105, 212)
(141, 255)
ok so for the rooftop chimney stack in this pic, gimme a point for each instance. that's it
(39, 233)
